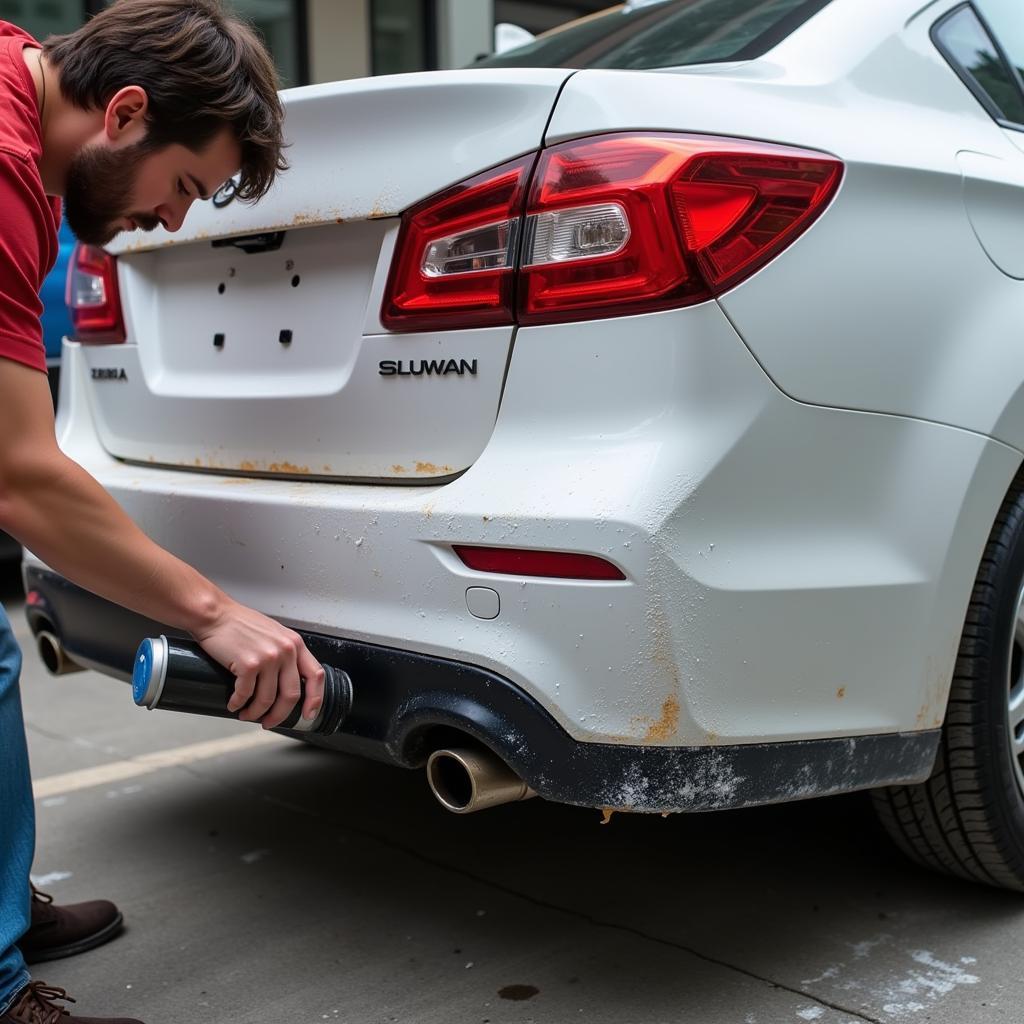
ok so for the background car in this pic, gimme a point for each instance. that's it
(649, 434)
(56, 315)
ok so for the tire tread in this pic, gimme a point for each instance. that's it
(953, 822)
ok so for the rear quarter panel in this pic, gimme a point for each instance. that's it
(889, 303)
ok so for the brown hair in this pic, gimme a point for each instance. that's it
(202, 69)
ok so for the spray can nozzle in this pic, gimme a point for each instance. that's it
(178, 675)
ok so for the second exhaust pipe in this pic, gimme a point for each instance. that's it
(467, 780)
(53, 655)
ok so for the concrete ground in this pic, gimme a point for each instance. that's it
(265, 881)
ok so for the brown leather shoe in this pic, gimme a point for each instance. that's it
(57, 931)
(35, 1004)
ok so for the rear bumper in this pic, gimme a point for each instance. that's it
(407, 704)
(792, 573)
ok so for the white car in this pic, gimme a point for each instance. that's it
(637, 416)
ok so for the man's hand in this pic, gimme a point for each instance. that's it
(268, 660)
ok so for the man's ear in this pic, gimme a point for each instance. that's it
(125, 117)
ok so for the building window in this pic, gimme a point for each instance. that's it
(403, 36)
(282, 23)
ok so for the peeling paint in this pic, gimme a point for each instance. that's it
(717, 778)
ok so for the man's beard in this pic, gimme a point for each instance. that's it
(98, 192)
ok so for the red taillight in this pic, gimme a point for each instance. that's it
(613, 225)
(698, 215)
(553, 564)
(93, 298)
(455, 256)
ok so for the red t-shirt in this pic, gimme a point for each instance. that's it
(29, 218)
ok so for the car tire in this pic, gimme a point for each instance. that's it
(967, 819)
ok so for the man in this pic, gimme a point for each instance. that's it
(150, 105)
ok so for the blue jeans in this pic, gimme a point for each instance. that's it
(17, 821)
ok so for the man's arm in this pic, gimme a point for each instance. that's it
(55, 508)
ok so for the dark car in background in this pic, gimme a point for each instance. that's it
(56, 318)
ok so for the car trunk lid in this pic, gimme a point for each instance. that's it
(254, 339)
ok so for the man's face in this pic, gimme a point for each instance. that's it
(113, 188)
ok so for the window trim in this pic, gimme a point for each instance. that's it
(758, 46)
(961, 72)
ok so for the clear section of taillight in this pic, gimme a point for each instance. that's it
(492, 247)
(577, 234)
(93, 298)
(455, 255)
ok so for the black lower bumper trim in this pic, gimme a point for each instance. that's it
(407, 704)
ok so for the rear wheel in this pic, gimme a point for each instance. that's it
(968, 818)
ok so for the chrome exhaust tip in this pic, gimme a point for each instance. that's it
(468, 780)
(57, 661)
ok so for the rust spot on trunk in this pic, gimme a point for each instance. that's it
(429, 467)
(841, 692)
(666, 726)
(249, 466)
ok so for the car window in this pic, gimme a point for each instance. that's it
(669, 33)
(983, 66)
(1006, 20)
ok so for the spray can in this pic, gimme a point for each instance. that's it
(178, 675)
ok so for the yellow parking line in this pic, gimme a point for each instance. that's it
(118, 771)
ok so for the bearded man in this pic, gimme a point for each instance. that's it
(149, 106)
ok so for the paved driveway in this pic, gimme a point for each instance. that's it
(264, 881)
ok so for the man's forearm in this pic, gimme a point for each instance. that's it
(55, 508)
